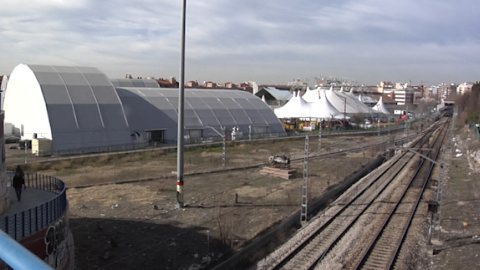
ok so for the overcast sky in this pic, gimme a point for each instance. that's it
(268, 41)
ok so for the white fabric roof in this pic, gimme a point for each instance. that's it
(380, 107)
(312, 95)
(353, 105)
(296, 107)
(322, 108)
(366, 99)
(337, 99)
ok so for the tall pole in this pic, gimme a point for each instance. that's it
(319, 146)
(389, 125)
(181, 94)
(304, 199)
(224, 145)
(406, 124)
(378, 127)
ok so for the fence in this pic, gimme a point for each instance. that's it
(23, 224)
(18, 157)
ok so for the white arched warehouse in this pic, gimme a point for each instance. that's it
(79, 108)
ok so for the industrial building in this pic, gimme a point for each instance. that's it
(78, 109)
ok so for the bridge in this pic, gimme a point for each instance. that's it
(38, 222)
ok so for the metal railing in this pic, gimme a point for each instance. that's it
(29, 221)
(17, 256)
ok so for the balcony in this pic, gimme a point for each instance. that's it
(43, 202)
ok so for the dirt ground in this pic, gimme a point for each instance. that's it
(457, 240)
(162, 164)
(136, 225)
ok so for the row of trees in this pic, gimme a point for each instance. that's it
(468, 105)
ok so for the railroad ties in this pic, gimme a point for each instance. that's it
(392, 189)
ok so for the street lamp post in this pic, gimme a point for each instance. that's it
(181, 94)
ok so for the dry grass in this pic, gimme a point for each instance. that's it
(161, 163)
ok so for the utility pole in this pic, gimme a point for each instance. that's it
(320, 127)
(389, 125)
(224, 145)
(222, 134)
(304, 202)
(406, 122)
(181, 102)
(378, 128)
(26, 148)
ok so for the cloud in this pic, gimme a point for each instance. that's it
(266, 41)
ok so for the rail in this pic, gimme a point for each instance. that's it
(417, 203)
(29, 221)
(307, 241)
(396, 250)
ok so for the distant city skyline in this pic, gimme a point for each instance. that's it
(270, 42)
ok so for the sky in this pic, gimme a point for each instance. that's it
(268, 41)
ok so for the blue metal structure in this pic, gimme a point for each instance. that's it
(17, 256)
(17, 226)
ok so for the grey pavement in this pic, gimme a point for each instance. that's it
(31, 197)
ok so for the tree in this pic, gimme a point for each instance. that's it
(468, 105)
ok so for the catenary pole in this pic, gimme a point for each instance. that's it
(181, 94)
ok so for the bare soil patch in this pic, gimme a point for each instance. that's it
(456, 238)
(148, 232)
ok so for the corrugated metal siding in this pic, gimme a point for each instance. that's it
(148, 108)
(83, 107)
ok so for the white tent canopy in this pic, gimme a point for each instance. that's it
(380, 107)
(320, 108)
(311, 95)
(296, 107)
(345, 103)
(323, 109)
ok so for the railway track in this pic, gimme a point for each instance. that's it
(384, 248)
(308, 249)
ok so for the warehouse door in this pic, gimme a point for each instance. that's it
(195, 133)
(156, 136)
(262, 129)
